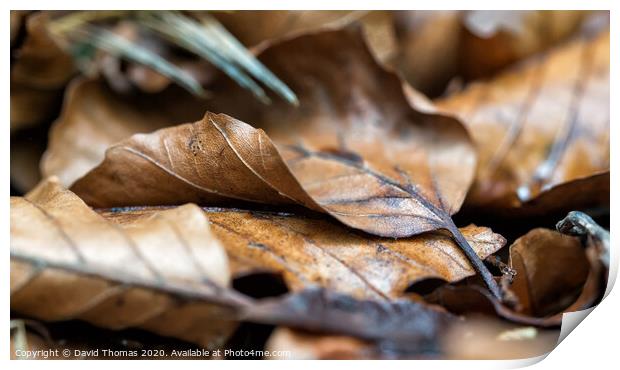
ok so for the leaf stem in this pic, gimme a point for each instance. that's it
(475, 261)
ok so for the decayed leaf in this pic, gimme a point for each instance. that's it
(164, 273)
(400, 327)
(95, 117)
(354, 148)
(540, 128)
(309, 251)
(210, 161)
(554, 275)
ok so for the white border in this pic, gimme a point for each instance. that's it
(593, 343)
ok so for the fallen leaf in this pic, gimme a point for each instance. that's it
(544, 290)
(573, 283)
(354, 148)
(94, 117)
(165, 273)
(528, 150)
(440, 50)
(309, 251)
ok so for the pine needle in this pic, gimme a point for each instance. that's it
(235, 51)
(213, 42)
(182, 31)
(205, 37)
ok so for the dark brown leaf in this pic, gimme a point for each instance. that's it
(400, 327)
(554, 275)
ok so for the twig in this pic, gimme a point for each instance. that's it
(580, 224)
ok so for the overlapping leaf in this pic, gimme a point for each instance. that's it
(164, 270)
(396, 162)
(310, 250)
(543, 294)
(94, 117)
(354, 148)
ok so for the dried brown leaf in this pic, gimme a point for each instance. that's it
(551, 270)
(387, 151)
(354, 148)
(542, 128)
(165, 273)
(554, 275)
(40, 63)
(309, 251)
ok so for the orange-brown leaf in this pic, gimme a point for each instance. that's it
(309, 250)
(542, 127)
